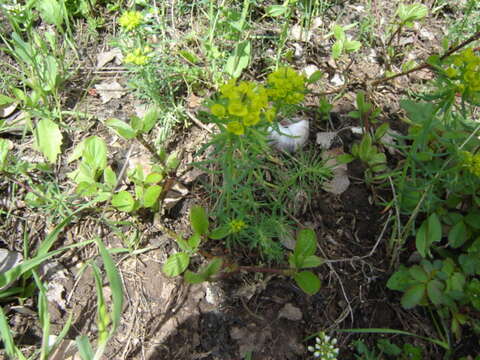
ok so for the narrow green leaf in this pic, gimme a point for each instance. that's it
(337, 49)
(121, 128)
(187, 55)
(5, 100)
(239, 60)
(220, 232)
(4, 148)
(339, 32)
(305, 245)
(176, 264)
(84, 347)
(194, 241)
(48, 139)
(150, 119)
(12, 351)
(51, 11)
(199, 220)
(311, 261)
(429, 232)
(276, 10)
(413, 296)
(213, 267)
(308, 282)
(317, 75)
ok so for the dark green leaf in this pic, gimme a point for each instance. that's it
(413, 296)
(457, 235)
(435, 292)
(418, 273)
(429, 232)
(388, 348)
(400, 280)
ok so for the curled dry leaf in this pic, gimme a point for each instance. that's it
(105, 57)
(110, 90)
(7, 109)
(340, 181)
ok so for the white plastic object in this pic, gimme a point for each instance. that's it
(290, 137)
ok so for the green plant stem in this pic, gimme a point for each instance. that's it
(150, 148)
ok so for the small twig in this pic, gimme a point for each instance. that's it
(25, 186)
(124, 168)
(198, 122)
(356, 258)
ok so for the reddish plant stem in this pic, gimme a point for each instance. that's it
(473, 38)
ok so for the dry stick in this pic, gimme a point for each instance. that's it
(198, 122)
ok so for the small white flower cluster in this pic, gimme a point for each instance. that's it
(324, 348)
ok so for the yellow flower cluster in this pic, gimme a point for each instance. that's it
(466, 68)
(237, 225)
(472, 162)
(287, 85)
(139, 56)
(245, 104)
(130, 20)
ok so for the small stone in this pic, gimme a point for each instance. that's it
(290, 312)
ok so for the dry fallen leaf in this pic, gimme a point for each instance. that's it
(340, 181)
(105, 57)
(110, 90)
(7, 110)
(325, 139)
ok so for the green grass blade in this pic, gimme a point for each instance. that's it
(12, 351)
(14, 273)
(44, 316)
(84, 347)
(52, 236)
(115, 282)
(443, 344)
